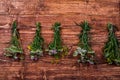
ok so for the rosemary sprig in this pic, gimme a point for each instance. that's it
(84, 48)
(111, 49)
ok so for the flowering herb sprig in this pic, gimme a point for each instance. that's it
(55, 48)
(84, 50)
(36, 47)
(14, 50)
(112, 47)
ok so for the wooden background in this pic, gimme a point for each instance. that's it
(97, 12)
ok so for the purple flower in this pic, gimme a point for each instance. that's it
(35, 58)
(54, 51)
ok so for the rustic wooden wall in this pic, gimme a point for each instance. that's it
(27, 12)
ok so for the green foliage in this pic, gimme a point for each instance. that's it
(111, 49)
(55, 47)
(36, 47)
(84, 49)
(14, 50)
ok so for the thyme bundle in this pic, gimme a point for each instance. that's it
(55, 47)
(14, 50)
(111, 49)
(36, 47)
(84, 49)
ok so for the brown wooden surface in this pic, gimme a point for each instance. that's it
(27, 12)
(66, 69)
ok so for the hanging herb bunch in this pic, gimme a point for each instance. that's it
(55, 47)
(14, 50)
(86, 54)
(36, 47)
(111, 49)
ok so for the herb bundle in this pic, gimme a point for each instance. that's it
(55, 47)
(84, 49)
(36, 47)
(111, 49)
(14, 50)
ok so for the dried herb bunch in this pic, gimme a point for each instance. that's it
(14, 50)
(84, 49)
(55, 47)
(36, 47)
(112, 47)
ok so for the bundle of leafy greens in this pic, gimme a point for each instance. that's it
(111, 49)
(55, 47)
(36, 47)
(14, 50)
(84, 49)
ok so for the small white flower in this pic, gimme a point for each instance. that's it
(32, 57)
(75, 53)
(81, 51)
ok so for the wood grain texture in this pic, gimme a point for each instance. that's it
(27, 12)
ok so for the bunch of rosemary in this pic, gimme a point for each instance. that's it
(36, 47)
(14, 50)
(111, 49)
(55, 47)
(84, 49)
